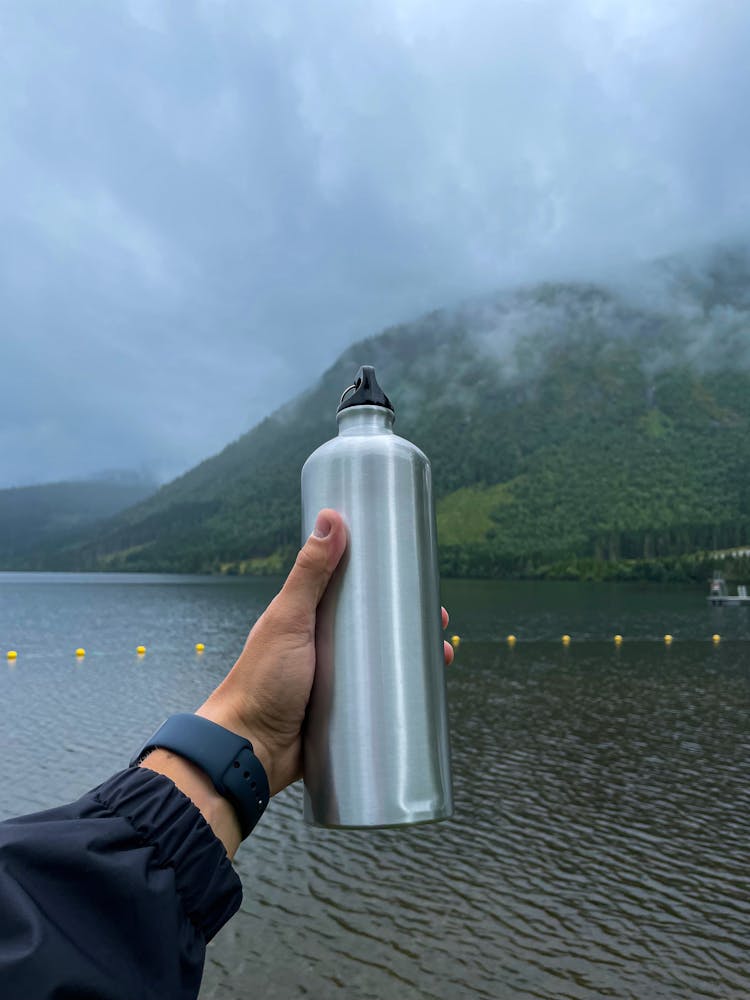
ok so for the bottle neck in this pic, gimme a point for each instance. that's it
(358, 420)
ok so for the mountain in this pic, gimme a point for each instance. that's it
(37, 519)
(573, 429)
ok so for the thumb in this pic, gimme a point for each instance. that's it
(316, 561)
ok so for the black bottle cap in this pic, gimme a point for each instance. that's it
(365, 391)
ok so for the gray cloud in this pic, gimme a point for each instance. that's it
(203, 204)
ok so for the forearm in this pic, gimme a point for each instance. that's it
(197, 786)
(113, 896)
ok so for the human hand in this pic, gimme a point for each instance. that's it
(265, 695)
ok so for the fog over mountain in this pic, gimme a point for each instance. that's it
(203, 204)
(573, 430)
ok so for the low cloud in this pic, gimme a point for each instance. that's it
(202, 207)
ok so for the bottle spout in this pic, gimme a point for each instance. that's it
(365, 391)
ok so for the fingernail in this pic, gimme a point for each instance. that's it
(322, 527)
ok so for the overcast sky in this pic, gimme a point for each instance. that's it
(202, 207)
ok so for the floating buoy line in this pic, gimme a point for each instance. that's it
(80, 653)
(511, 640)
(567, 639)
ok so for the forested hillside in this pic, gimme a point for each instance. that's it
(52, 515)
(572, 430)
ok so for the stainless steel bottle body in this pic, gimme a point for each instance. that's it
(376, 745)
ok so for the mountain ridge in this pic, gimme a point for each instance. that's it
(569, 426)
(55, 514)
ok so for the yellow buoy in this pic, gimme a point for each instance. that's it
(668, 639)
(716, 637)
(11, 654)
(140, 650)
(80, 651)
(455, 641)
(199, 647)
(511, 640)
(566, 640)
(618, 639)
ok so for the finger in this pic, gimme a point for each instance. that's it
(316, 561)
(446, 619)
(448, 653)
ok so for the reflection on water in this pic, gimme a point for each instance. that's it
(600, 843)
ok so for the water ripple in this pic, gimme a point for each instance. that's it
(600, 843)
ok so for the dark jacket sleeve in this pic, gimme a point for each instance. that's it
(112, 897)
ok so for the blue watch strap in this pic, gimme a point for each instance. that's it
(227, 759)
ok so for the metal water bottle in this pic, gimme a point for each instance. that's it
(376, 746)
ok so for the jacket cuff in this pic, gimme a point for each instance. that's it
(166, 819)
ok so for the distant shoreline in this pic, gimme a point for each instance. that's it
(693, 570)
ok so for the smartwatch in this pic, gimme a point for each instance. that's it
(227, 759)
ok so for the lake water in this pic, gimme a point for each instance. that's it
(601, 842)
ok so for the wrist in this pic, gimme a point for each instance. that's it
(198, 787)
(216, 767)
(216, 711)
